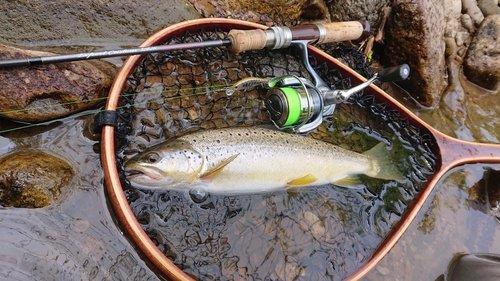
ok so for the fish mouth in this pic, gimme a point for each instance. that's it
(137, 173)
(131, 173)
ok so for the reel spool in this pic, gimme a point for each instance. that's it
(297, 104)
(294, 103)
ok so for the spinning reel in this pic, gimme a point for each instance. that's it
(299, 105)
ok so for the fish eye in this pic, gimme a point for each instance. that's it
(152, 157)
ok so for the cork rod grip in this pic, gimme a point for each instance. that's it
(342, 31)
(245, 40)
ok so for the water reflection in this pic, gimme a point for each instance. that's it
(74, 238)
(264, 235)
(450, 223)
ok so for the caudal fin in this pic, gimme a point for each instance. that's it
(387, 169)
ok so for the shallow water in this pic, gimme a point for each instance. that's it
(75, 238)
(449, 224)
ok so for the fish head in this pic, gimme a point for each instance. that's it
(169, 165)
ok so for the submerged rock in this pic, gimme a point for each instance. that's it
(414, 36)
(484, 195)
(41, 93)
(482, 63)
(32, 179)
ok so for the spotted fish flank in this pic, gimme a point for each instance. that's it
(253, 159)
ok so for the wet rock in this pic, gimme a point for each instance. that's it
(453, 8)
(488, 7)
(315, 9)
(451, 47)
(467, 23)
(451, 27)
(482, 62)
(89, 23)
(484, 195)
(414, 35)
(343, 10)
(289, 9)
(221, 9)
(40, 93)
(470, 7)
(32, 179)
(205, 8)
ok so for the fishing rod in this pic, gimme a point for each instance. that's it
(237, 41)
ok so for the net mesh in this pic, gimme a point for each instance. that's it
(318, 233)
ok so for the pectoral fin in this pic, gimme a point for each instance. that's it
(305, 180)
(212, 173)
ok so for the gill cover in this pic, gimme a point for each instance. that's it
(168, 163)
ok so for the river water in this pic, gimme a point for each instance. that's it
(75, 238)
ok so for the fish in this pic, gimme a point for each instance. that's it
(253, 160)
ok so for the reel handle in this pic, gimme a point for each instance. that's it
(281, 37)
(394, 73)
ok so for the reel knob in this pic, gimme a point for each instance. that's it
(394, 73)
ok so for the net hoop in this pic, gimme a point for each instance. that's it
(117, 198)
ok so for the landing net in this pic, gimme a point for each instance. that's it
(315, 233)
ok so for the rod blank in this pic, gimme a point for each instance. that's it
(112, 53)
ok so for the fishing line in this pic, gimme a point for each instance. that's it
(76, 115)
(213, 89)
(49, 106)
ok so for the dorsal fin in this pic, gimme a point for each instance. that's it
(212, 173)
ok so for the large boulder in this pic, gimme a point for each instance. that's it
(482, 63)
(41, 93)
(414, 35)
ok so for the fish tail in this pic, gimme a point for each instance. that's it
(384, 166)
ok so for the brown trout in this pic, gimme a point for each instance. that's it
(251, 160)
